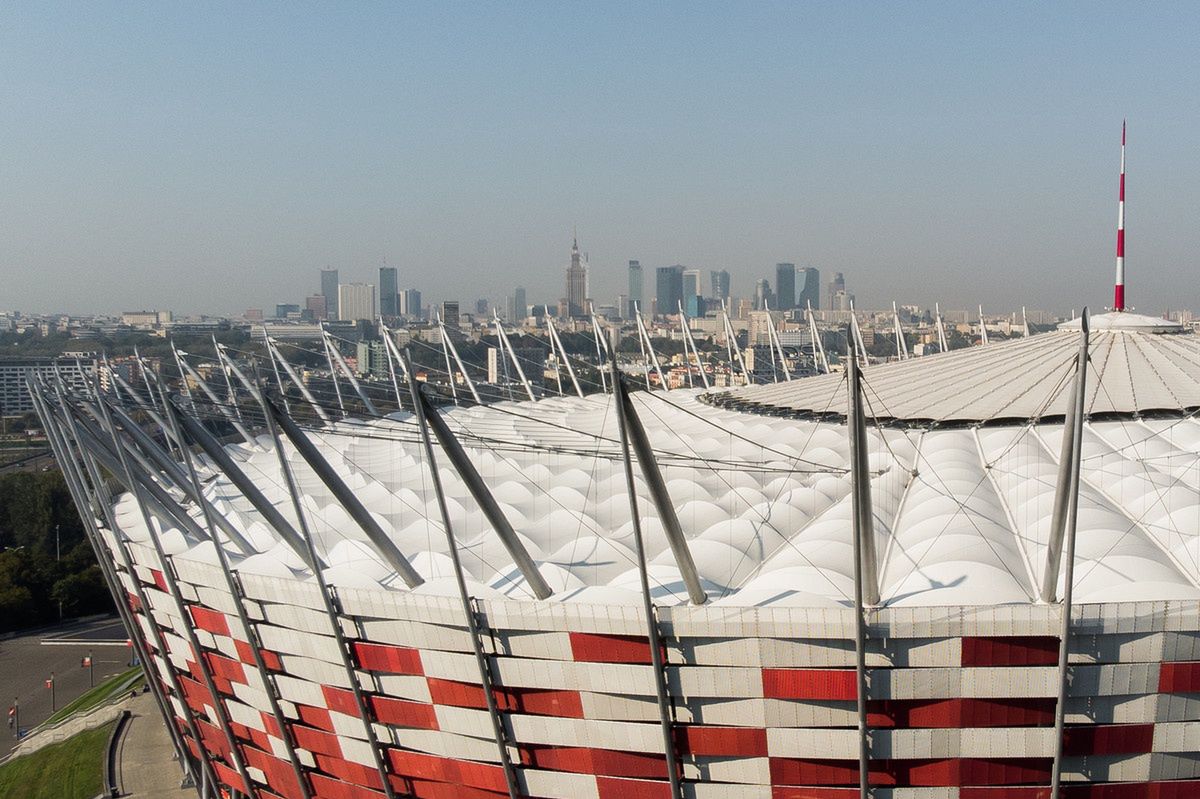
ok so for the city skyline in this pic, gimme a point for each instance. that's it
(924, 151)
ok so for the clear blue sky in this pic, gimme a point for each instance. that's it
(210, 156)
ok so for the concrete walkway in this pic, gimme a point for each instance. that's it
(146, 765)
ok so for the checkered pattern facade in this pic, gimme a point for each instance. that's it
(961, 701)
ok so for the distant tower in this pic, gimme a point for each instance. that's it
(720, 285)
(1119, 290)
(809, 279)
(329, 288)
(785, 286)
(520, 305)
(668, 290)
(389, 301)
(837, 288)
(762, 295)
(576, 282)
(636, 289)
(356, 301)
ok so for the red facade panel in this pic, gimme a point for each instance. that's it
(1178, 678)
(209, 620)
(721, 741)
(596, 648)
(585, 760)
(960, 713)
(388, 658)
(1109, 739)
(402, 713)
(810, 683)
(1016, 650)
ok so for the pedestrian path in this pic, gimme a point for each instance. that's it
(146, 764)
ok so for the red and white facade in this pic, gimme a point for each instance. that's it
(962, 659)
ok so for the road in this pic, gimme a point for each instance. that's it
(27, 661)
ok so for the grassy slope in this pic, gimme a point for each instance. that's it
(97, 695)
(73, 769)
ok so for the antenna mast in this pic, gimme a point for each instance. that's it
(1119, 289)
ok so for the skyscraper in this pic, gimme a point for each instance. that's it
(315, 307)
(636, 285)
(388, 300)
(668, 285)
(450, 313)
(810, 287)
(720, 284)
(356, 301)
(576, 283)
(520, 304)
(410, 303)
(329, 288)
(837, 287)
(762, 295)
(785, 286)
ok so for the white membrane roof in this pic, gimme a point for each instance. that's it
(1139, 365)
(962, 512)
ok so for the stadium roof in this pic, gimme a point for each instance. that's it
(962, 513)
(1140, 365)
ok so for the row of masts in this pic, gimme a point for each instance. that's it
(463, 388)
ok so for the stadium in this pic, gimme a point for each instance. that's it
(972, 575)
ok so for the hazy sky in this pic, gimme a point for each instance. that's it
(210, 156)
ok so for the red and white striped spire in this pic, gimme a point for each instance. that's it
(1119, 290)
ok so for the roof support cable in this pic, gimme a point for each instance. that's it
(469, 610)
(167, 567)
(196, 767)
(555, 340)
(653, 635)
(1067, 487)
(242, 482)
(648, 346)
(689, 341)
(505, 344)
(208, 392)
(1072, 518)
(482, 495)
(333, 610)
(93, 509)
(277, 359)
(817, 346)
(346, 370)
(601, 350)
(866, 587)
(333, 372)
(344, 494)
(251, 632)
(634, 435)
(731, 345)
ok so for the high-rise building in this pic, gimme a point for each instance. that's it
(315, 306)
(388, 292)
(450, 315)
(636, 289)
(481, 309)
(785, 286)
(520, 305)
(329, 288)
(410, 303)
(286, 309)
(837, 287)
(763, 298)
(668, 289)
(577, 288)
(356, 301)
(720, 285)
(810, 287)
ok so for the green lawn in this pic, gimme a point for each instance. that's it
(73, 769)
(121, 683)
